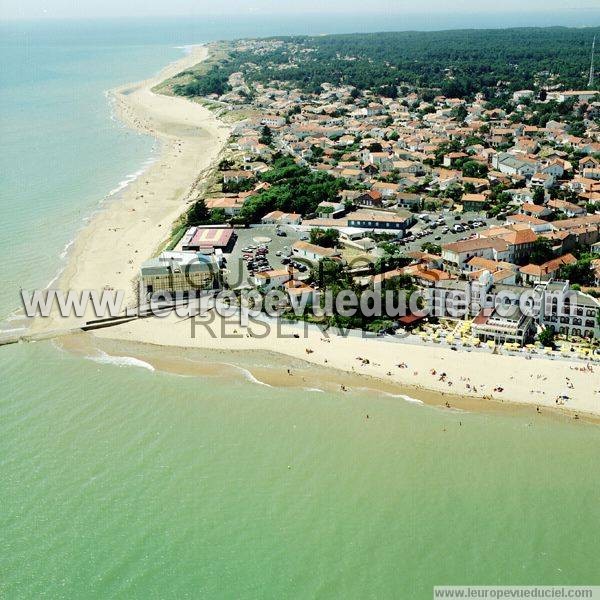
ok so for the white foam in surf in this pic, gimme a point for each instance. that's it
(314, 390)
(120, 361)
(65, 251)
(404, 397)
(54, 279)
(11, 331)
(248, 375)
(132, 176)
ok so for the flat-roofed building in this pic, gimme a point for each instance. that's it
(367, 219)
(209, 239)
(512, 326)
(314, 253)
(189, 273)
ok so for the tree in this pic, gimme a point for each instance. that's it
(541, 251)
(393, 258)
(546, 337)
(213, 82)
(472, 168)
(198, 214)
(459, 113)
(327, 273)
(266, 136)
(294, 189)
(218, 216)
(327, 238)
(579, 273)
(431, 248)
(539, 196)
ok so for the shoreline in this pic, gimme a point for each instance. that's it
(134, 219)
(473, 376)
(269, 369)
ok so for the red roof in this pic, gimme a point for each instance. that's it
(410, 319)
(210, 238)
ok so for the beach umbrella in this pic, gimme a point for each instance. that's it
(491, 344)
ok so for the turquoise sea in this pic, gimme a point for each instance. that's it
(118, 481)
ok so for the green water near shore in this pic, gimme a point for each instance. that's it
(202, 487)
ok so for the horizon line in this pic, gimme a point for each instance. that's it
(282, 14)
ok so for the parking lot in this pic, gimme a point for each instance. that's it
(238, 273)
(437, 235)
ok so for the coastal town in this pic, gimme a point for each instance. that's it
(418, 190)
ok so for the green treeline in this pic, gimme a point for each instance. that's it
(457, 63)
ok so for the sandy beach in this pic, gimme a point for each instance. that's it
(128, 230)
(480, 375)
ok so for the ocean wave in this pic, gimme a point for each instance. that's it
(319, 390)
(132, 177)
(404, 397)
(120, 361)
(248, 375)
(66, 249)
(12, 330)
(54, 279)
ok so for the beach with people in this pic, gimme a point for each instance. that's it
(570, 386)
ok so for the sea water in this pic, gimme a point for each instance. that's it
(119, 480)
